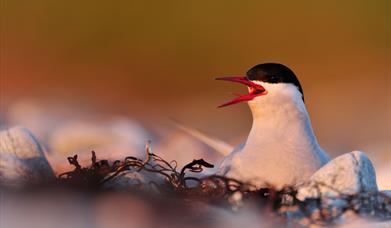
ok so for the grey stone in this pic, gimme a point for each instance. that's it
(347, 174)
(22, 158)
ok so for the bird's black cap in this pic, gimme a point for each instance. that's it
(274, 73)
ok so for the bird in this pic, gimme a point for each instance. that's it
(281, 149)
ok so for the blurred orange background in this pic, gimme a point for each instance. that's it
(152, 60)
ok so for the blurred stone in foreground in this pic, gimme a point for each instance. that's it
(22, 158)
(77, 136)
(347, 174)
(112, 139)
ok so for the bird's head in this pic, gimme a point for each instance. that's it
(267, 83)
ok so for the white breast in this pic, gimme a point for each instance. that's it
(281, 148)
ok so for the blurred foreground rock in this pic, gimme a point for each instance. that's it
(22, 159)
(350, 173)
(342, 192)
(76, 136)
(112, 139)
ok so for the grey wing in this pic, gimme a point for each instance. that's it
(218, 145)
(226, 164)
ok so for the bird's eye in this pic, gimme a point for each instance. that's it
(273, 79)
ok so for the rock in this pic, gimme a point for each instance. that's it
(22, 159)
(74, 137)
(347, 174)
(111, 139)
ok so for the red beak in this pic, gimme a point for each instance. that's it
(255, 90)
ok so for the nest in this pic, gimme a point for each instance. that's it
(226, 192)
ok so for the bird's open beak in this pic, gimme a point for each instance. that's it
(254, 90)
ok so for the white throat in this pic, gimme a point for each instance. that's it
(281, 117)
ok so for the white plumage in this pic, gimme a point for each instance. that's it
(281, 148)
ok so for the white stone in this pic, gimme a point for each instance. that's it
(347, 174)
(111, 139)
(74, 137)
(22, 158)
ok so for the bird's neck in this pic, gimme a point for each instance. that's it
(285, 124)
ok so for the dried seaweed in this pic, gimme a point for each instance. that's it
(87, 177)
(320, 210)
